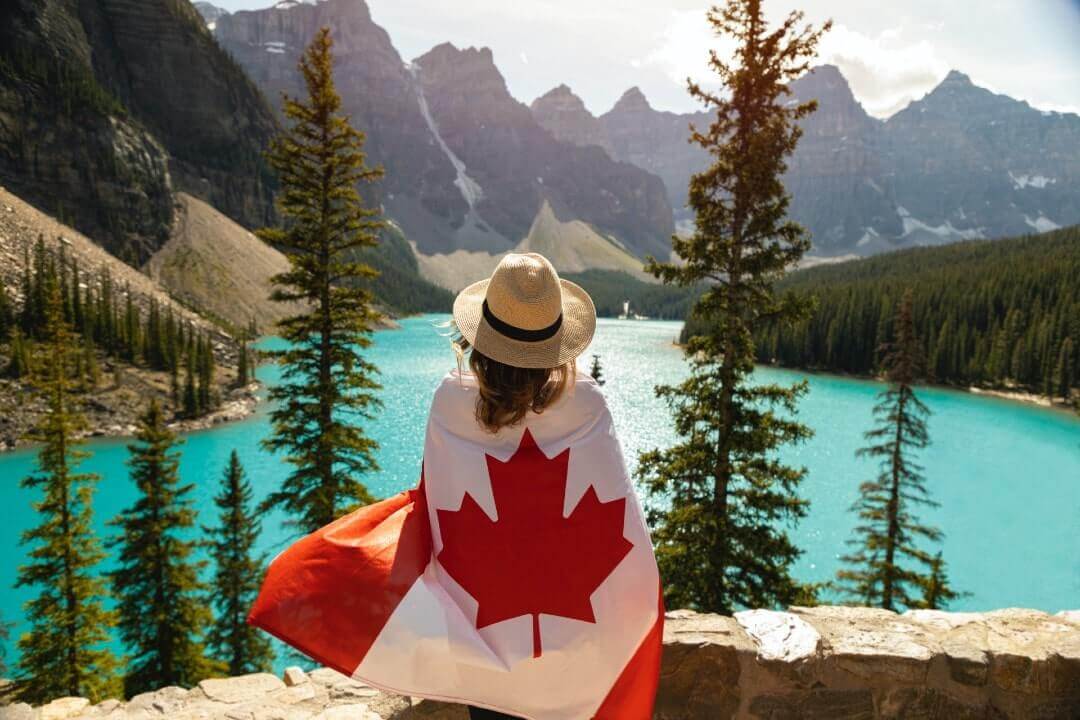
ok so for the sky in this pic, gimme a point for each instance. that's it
(891, 52)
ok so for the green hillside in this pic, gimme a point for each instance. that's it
(1003, 313)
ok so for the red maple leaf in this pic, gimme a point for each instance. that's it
(532, 560)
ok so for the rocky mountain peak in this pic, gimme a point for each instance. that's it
(824, 82)
(470, 70)
(838, 112)
(958, 98)
(561, 97)
(565, 116)
(957, 78)
(633, 100)
(210, 13)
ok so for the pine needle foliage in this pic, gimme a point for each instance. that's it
(720, 499)
(160, 598)
(327, 387)
(240, 646)
(889, 566)
(65, 652)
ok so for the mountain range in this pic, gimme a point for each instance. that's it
(469, 168)
(960, 163)
(111, 109)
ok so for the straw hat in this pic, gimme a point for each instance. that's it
(524, 315)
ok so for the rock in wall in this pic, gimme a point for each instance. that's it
(827, 663)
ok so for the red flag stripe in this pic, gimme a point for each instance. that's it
(331, 593)
(634, 693)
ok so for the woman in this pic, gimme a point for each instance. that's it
(519, 577)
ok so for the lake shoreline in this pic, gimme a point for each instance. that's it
(1018, 396)
(240, 404)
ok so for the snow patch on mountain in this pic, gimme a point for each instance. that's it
(289, 4)
(1036, 181)
(868, 236)
(946, 231)
(1041, 224)
(470, 189)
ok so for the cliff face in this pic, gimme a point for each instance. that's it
(518, 165)
(828, 663)
(66, 144)
(468, 167)
(377, 93)
(656, 141)
(961, 163)
(564, 115)
(965, 157)
(106, 106)
(835, 176)
(172, 75)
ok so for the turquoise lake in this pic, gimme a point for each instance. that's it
(1007, 475)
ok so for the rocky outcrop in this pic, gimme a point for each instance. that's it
(112, 407)
(106, 106)
(827, 663)
(960, 163)
(564, 115)
(216, 266)
(467, 165)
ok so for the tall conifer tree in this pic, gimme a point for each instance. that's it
(327, 386)
(65, 651)
(242, 647)
(7, 313)
(162, 616)
(720, 497)
(889, 567)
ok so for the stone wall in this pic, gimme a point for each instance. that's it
(827, 663)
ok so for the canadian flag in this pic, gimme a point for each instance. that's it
(519, 576)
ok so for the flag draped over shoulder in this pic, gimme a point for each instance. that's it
(519, 575)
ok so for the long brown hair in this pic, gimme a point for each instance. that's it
(508, 393)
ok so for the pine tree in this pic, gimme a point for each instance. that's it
(327, 386)
(191, 394)
(7, 313)
(92, 371)
(18, 366)
(205, 357)
(5, 633)
(242, 369)
(596, 371)
(888, 566)
(241, 647)
(162, 616)
(721, 495)
(64, 653)
(132, 339)
(27, 313)
(78, 319)
(936, 591)
(1063, 372)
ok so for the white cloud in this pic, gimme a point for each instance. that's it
(885, 71)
